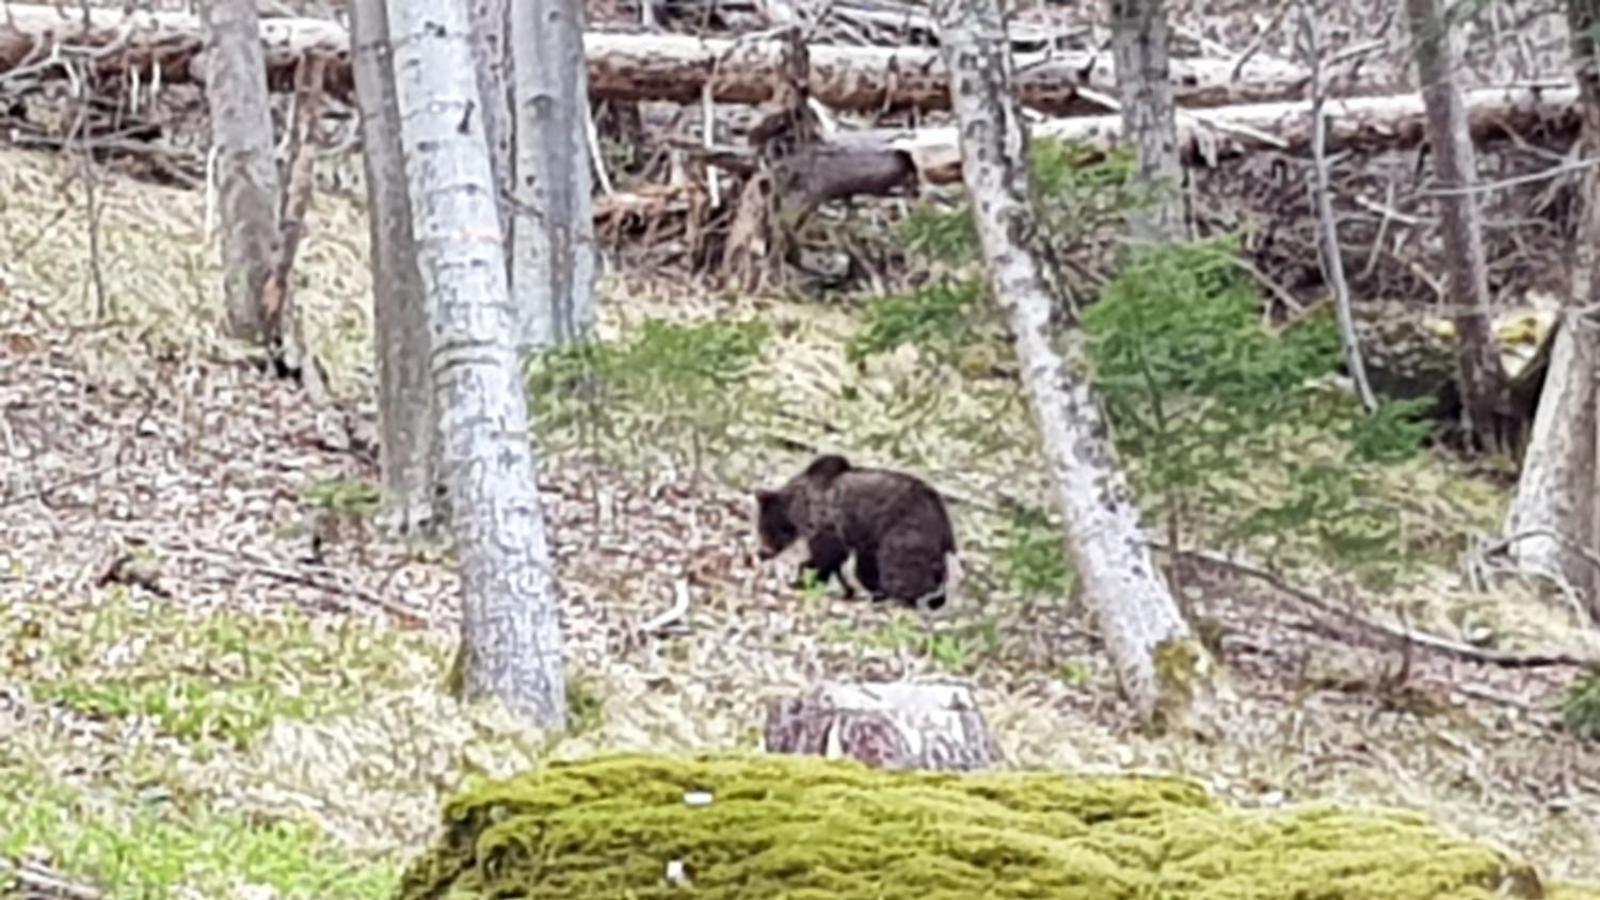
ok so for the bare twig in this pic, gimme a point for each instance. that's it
(1332, 264)
(1433, 642)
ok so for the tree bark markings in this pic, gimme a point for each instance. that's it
(1482, 378)
(511, 635)
(1138, 619)
(247, 175)
(409, 449)
(1144, 88)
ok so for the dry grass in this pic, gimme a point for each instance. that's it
(140, 437)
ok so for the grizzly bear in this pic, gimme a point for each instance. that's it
(894, 525)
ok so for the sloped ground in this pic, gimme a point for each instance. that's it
(264, 715)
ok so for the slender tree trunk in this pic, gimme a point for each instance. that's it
(247, 176)
(491, 56)
(410, 449)
(1482, 379)
(1149, 123)
(511, 632)
(553, 269)
(1163, 671)
(1327, 217)
(1553, 516)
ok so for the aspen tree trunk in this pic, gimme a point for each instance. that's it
(1162, 669)
(1554, 513)
(410, 449)
(511, 631)
(491, 57)
(553, 267)
(1482, 379)
(247, 175)
(1144, 88)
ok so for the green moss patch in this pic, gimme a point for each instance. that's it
(776, 826)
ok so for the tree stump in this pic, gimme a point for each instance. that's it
(900, 725)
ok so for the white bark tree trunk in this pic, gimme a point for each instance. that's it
(1144, 89)
(511, 632)
(1554, 514)
(491, 55)
(1552, 509)
(1482, 379)
(553, 265)
(247, 175)
(410, 450)
(1162, 669)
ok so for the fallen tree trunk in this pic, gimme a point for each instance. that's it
(635, 67)
(897, 725)
(1204, 137)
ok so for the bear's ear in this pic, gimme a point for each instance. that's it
(764, 497)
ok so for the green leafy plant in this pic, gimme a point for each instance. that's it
(674, 390)
(1032, 559)
(342, 496)
(956, 650)
(941, 319)
(1580, 708)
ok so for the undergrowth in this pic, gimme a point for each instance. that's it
(673, 393)
(224, 676)
(1232, 435)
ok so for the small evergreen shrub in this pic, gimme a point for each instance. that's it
(1225, 425)
(677, 391)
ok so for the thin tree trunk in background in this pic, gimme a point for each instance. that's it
(553, 265)
(511, 641)
(247, 175)
(1332, 257)
(1162, 669)
(491, 59)
(410, 448)
(1149, 123)
(1553, 516)
(1482, 379)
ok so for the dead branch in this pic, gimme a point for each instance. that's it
(627, 67)
(1207, 136)
(1406, 636)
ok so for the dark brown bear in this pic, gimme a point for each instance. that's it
(896, 526)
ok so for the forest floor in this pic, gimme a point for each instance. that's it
(197, 701)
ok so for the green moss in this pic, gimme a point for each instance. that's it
(807, 828)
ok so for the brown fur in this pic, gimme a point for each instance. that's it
(895, 524)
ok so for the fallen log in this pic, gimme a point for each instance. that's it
(1207, 136)
(899, 725)
(628, 67)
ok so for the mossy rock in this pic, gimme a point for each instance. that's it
(801, 827)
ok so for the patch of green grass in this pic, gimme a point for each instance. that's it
(959, 649)
(1032, 556)
(205, 676)
(132, 846)
(336, 495)
(941, 318)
